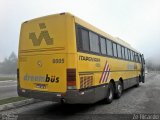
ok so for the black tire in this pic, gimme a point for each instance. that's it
(137, 85)
(110, 94)
(62, 102)
(118, 94)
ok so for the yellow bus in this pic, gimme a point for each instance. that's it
(62, 58)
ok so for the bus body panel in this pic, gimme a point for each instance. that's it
(43, 54)
(44, 34)
(100, 70)
(43, 72)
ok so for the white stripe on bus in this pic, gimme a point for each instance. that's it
(102, 73)
(105, 73)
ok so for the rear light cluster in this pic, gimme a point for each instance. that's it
(71, 79)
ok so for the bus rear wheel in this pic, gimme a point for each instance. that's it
(138, 80)
(110, 93)
(118, 94)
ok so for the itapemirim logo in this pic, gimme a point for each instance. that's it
(43, 35)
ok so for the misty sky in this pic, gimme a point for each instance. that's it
(135, 21)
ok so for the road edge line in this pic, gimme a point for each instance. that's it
(17, 104)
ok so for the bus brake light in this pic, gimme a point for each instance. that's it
(71, 78)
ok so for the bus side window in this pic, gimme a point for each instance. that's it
(119, 48)
(109, 48)
(78, 37)
(135, 54)
(136, 57)
(126, 53)
(139, 58)
(123, 53)
(103, 45)
(129, 54)
(94, 42)
(114, 49)
(85, 39)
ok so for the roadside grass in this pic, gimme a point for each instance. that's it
(10, 100)
(7, 78)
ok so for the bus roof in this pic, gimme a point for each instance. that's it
(93, 28)
(96, 30)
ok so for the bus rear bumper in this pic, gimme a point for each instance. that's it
(87, 96)
(46, 96)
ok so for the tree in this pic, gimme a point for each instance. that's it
(9, 65)
(152, 64)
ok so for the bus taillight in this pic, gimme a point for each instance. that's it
(71, 78)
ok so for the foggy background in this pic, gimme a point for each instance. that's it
(135, 21)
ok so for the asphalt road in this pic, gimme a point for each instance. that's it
(8, 88)
(135, 103)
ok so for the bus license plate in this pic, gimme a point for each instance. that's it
(41, 86)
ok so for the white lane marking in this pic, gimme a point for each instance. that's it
(9, 81)
(8, 86)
